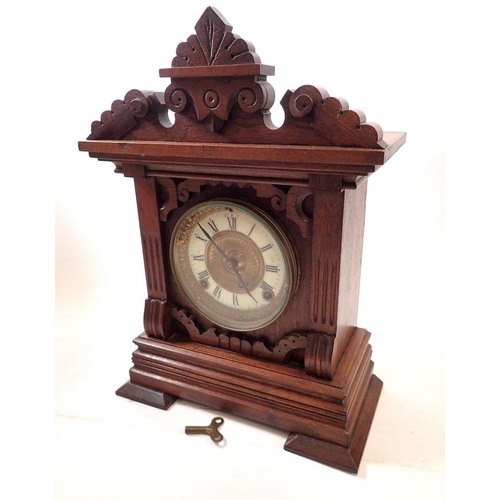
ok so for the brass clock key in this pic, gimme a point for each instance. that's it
(212, 430)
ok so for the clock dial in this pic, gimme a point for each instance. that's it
(234, 264)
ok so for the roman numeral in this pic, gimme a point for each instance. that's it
(272, 269)
(202, 239)
(213, 227)
(266, 286)
(203, 275)
(235, 300)
(198, 257)
(217, 291)
(267, 247)
(231, 222)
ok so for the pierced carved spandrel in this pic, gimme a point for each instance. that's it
(280, 353)
(296, 211)
(188, 186)
(274, 194)
(168, 197)
(293, 202)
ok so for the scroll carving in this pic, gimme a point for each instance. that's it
(319, 353)
(157, 319)
(275, 195)
(333, 118)
(124, 115)
(169, 198)
(295, 200)
(188, 186)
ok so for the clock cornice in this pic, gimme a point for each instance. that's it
(284, 161)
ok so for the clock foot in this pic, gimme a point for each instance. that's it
(347, 459)
(145, 395)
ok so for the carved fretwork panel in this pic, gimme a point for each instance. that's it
(306, 348)
(293, 201)
(290, 344)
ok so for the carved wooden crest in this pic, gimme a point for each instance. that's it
(218, 86)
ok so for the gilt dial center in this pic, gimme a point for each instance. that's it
(233, 259)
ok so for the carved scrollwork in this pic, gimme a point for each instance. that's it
(156, 319)
(176, 99)
(318, 358)
(295, 209)
(138, 103)
(258, 96)
(188, 186)
(169, 199)
(123, 115)
(214, 104)
(304, 99)
(274, 194)
(332, 117)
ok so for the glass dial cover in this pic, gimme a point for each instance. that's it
(234, 264)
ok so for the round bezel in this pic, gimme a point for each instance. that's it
(234, 263)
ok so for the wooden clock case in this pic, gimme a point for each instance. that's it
(309, 372)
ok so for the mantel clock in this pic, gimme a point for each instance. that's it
(252, 239)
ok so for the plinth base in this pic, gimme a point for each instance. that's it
(328, 420)
(347, 459)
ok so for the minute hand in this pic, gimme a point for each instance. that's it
(213, 242)
(242, 283)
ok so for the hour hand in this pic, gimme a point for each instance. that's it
(204, 231)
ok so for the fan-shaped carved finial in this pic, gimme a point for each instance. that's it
(214, 71)
(214, 44)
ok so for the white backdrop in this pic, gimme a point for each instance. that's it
(386, 58)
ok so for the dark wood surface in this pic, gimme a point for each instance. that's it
(310, 371)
